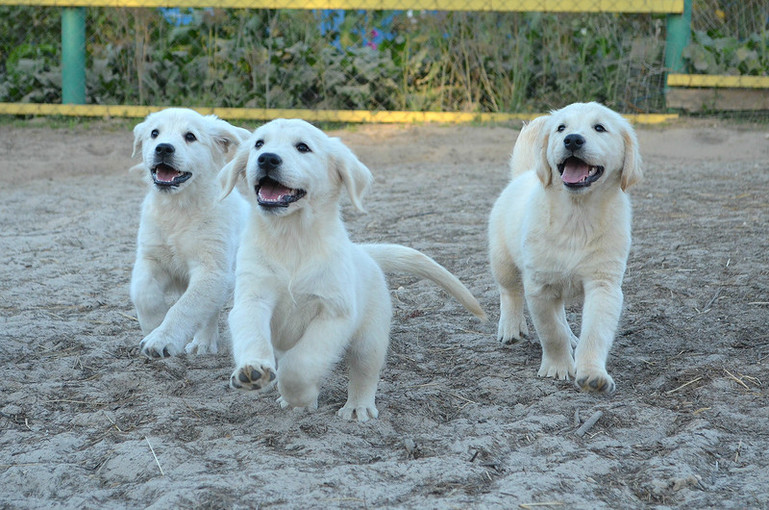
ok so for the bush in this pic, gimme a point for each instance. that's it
(370, 60)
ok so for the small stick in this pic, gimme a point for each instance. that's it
(115, 424)
(156, 457)
(190, 408)
(713, 300)
(589, 423)
(544, 503)
(577, 421)
(684, 385)
(738, 381)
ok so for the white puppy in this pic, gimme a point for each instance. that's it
(304, 293)
(561, 231)
(187, 237)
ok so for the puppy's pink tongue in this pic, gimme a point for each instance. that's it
(166, 174)
(273, 191)
(575, 171)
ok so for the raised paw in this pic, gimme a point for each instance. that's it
(156, 345)
(360, 413)
(597, 381)
(250, 377)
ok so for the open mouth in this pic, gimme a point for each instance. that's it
(165, 176)
(575, 173)
(271, 193)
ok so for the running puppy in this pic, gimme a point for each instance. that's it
(187, 237)
(304, 293)
(561, 231)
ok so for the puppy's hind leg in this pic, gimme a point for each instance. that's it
(573, 340)
(304, 367)
(554, 335)
(512, 323)
(148, 287)
(207, 339)
(366, 359)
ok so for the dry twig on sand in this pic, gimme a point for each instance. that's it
(589, 423)
(155, 456)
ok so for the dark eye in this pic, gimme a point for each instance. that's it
(189, 137)
(599, 128)
(154, 133)
(561, 128)
(259, 144)
(302, 147)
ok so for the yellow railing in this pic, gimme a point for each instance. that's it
(356, 116)
(713, 81)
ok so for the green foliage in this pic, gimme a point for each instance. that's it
(30, 68)
(426, 61)
(713, 53)
(33, 74)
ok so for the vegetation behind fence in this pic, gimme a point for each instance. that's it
(374, 60)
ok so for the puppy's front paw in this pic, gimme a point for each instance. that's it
(594, 381)
(359, 412)
(157, 345)
(253, 377)
(560, 368)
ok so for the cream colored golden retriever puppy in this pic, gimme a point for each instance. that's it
(561, 231)
(187, 241)
(305, 294)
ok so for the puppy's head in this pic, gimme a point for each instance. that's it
(587, 146)
(179, 146)
(289, 165)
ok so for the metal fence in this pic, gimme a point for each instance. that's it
(349, 60)
(727, 59)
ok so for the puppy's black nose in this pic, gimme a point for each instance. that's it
(574, 142)
(269, 161)
(164, 149)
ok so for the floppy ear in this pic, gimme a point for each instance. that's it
(232, 171)
(631, 169)
(138, 136)
(226, 136)
(355, 175)
(544, 172)
(526, 150)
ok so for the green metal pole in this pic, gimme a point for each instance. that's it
(679, 29)
(73, 55)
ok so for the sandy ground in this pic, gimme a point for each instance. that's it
(87, 422)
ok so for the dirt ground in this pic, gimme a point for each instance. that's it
(87, 422)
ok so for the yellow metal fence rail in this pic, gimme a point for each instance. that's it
(352, 116)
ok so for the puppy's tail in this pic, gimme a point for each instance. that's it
(394, 258)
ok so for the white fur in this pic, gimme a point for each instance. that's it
(305, 293)
(187, 238)
(550, 244)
